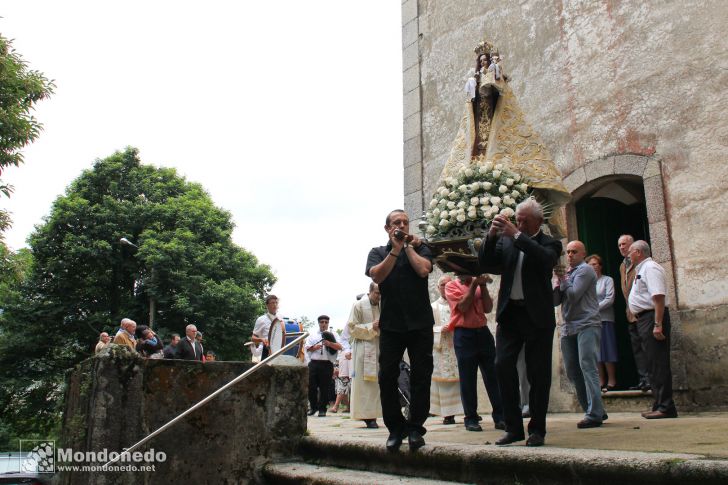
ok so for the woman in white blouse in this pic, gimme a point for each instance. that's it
(605, 295)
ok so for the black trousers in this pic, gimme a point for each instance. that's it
(516, 329)
(658, 360)
(640, 357)
(320, 383)
(391, 349)
(475, 348)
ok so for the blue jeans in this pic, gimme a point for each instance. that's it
(581, 353)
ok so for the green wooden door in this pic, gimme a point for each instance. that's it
(600, 222)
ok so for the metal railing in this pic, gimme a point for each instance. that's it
(172, 422)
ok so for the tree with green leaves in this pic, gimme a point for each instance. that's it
(20, 89)
(83, 280)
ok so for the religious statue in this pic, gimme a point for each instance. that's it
(496, 161)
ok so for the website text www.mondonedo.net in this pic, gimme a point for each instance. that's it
(101, 468)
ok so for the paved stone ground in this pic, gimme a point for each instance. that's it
(694, 433)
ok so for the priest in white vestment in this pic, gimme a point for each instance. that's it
(445, 389)
(363, 327)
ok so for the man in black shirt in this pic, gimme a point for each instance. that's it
(401, 270)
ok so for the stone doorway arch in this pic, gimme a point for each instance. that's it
(602, 187)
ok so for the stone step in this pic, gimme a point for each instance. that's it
(300, 473)
(489, 464)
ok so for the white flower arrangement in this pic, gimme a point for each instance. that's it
(480, 191)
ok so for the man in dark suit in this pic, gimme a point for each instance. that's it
(524, 257)
(189, 348)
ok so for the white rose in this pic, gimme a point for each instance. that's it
(461, 210)
(454, 195)
(463, 188)
(444, 223)
(496, 174)
(451, 181)
(469, 172)
(502, 189)
(495, 201)
(523, 187)
(474, 200)
(462, 203)
(444, 215)
(461, 170)
(461, 217)
(436, 212)
(509, 182)
(517, 177)
(508, 212)
(483, 170)
(488, 166)
(431, 229)
(499, 166)
(433, 203)
(515, 194)
(442, 203)
(484, 200)
(474, 186)
(451, 205)
(507, 200)
(472, 208)
(453, 213)
(443, 191)
(485, 208)
(472, 215)
(487, 185)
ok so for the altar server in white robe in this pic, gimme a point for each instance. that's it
(445, 389)
(363, 327)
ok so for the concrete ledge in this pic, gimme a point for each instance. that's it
(297, 473)
(517, 464)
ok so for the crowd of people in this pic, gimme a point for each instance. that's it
(143, 340)
(441, 345)
(445, 342)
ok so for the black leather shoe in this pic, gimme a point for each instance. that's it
(473, 427)
(660, 414)
(509, 438)
(535, 439)
(416, 441)
(322, 414)
(588, 423)
(394, 441)
(312, 412)
(371, 423)
(448, 420)
(500, 425)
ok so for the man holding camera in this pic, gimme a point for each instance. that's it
(322, 347)
(401, 269)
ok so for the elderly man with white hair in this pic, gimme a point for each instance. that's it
(104, 340)
(189, 348)
(648, 302)
(125, 335)
(524, 257)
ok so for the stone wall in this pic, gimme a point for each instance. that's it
(116, 399)
(613, 88)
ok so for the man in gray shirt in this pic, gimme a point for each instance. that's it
(576, 291)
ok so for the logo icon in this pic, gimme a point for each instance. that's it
(38, 456)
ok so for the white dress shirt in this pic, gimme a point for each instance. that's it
(649, 281)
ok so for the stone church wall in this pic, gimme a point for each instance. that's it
(613, 88)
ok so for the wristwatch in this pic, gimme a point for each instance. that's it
(516, 235)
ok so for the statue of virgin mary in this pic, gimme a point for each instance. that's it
(493, 129)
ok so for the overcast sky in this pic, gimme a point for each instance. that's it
(289, 113)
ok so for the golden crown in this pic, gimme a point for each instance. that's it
(485, 47)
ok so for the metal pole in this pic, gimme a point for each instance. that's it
(210, 397)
